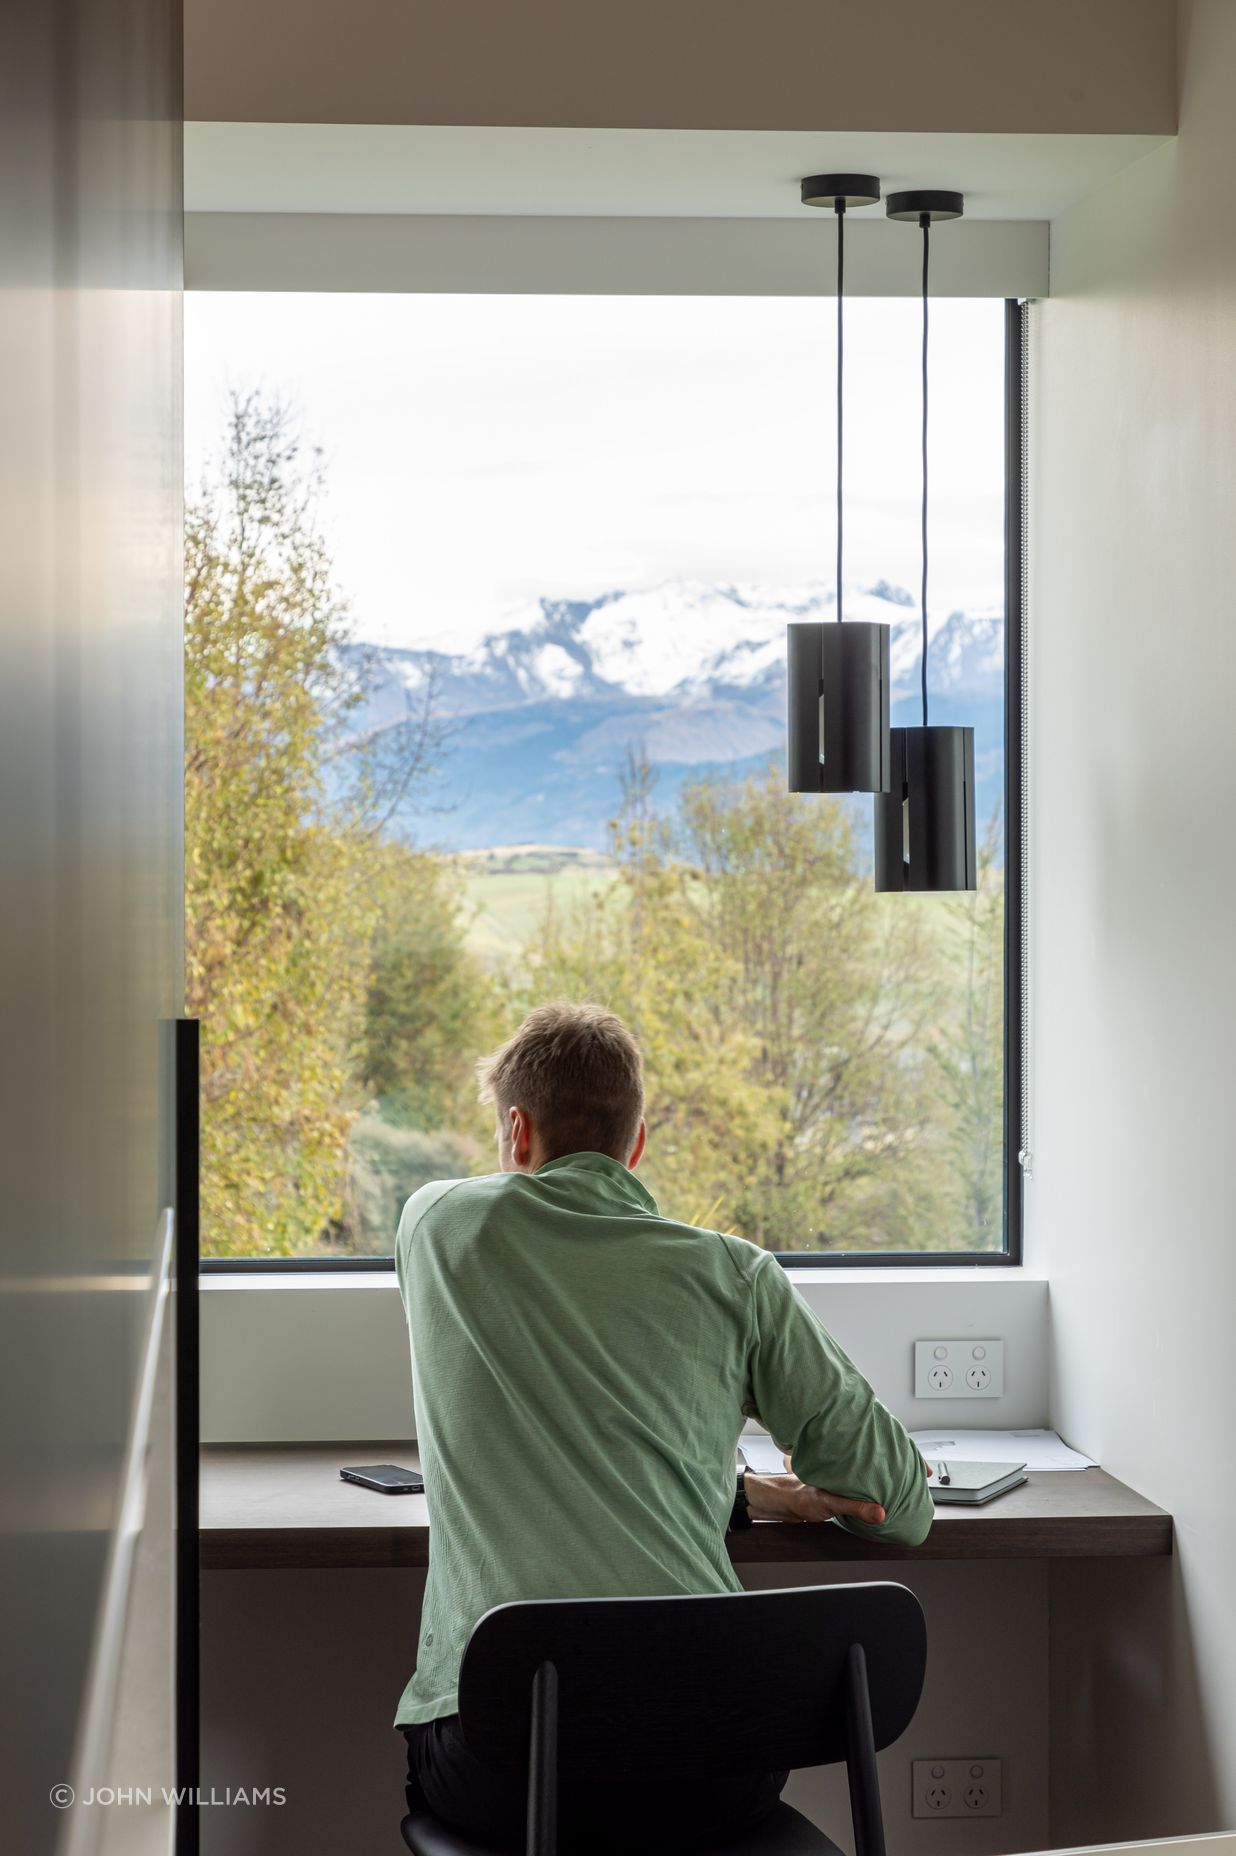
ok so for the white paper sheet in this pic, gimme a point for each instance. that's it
(1036, 1449)
(762, 1456)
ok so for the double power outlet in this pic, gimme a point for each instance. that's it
(959, 1369)
(957, 1788)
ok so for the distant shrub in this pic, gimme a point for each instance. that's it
(386, 1164)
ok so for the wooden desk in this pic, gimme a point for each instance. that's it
(284, 1506)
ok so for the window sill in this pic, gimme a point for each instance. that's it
(924, 1273)
(214, 1282)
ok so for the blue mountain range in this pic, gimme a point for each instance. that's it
(539, 718)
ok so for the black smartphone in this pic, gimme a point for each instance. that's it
(387, 1478)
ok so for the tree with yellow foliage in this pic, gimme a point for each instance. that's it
(284, 884)
(783, 1010)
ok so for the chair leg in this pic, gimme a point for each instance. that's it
(860, 1758)
(543, 1764)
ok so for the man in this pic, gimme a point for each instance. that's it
(583, 1367)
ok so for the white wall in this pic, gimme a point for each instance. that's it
(1133, 885)
(606, 255)
(321, 1357)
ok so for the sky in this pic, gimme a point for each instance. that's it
(483, 452)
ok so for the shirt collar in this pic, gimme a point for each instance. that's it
(613, 1172)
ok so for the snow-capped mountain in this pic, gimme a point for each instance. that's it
(544, 712)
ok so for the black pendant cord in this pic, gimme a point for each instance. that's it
(840, 395)
(925, 222)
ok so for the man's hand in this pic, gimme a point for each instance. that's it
(785, 1498)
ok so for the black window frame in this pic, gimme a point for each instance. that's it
(1015, 857)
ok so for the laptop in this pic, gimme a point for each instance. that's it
(971, 1484)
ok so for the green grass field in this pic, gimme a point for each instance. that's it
(511, 889)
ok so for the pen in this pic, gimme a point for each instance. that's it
(945, 1478)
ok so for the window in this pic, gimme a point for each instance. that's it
(486, 601)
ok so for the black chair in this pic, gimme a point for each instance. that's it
(653, 1689)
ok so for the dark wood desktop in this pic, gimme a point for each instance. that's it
(284, 1506)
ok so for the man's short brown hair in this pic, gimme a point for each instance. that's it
(577, 1073)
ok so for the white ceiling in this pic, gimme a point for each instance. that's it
(235, 167)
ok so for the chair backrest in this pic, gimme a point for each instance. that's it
(658, 1687)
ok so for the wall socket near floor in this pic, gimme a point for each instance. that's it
(959, 1369)
(957, 1788)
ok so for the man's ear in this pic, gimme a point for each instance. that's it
(521, 1137)
(641, 1141)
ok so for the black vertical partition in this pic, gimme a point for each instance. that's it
(188, 1438)
(1016, 924)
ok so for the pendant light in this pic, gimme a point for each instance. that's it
(924, 823)
(837, 674)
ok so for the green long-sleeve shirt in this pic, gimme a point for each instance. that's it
(583, 1368)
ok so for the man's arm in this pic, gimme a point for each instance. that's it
(422, 1201)
(818, 1406)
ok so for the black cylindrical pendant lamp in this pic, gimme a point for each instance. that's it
(924, 823)
(837, 674)
(838, 708)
